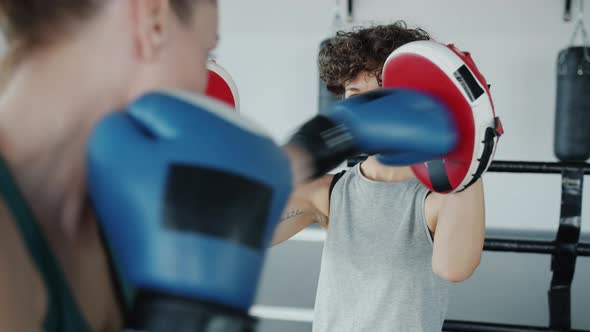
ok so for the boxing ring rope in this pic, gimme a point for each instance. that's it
(458, 326)
(536, 167)
(517, 166)
(532, 247)
(491, 244)
(563, 250)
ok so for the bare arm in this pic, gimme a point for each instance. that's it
(458, 223)
(307, 205)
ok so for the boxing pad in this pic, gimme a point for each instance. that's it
(221, 86)
(451, 77)
(187, 193)
(572, 116)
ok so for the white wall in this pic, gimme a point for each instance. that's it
(270, 47)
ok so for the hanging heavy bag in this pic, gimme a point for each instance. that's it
(326, 97)
(572, 117)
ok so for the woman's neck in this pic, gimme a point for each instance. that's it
(47, 110)
(376, 171)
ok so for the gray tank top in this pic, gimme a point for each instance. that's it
(376, 272)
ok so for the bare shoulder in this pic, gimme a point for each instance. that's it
(314, 190)
(22, 294)
(316, 194)
(320, 196)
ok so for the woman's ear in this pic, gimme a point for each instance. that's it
(151, 27)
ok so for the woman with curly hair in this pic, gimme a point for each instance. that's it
(393, 247)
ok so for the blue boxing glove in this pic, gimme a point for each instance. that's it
(187, 194)
(404, 126)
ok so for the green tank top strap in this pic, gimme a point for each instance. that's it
(63, 313)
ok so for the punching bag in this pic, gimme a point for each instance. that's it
(572, 117)
(326, 97)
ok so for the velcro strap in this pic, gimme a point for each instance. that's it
(563, 261)
(438, 175)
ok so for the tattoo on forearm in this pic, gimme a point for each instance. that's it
(291, 214)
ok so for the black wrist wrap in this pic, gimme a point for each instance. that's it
(327, 142)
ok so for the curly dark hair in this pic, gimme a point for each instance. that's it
(347, 54)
